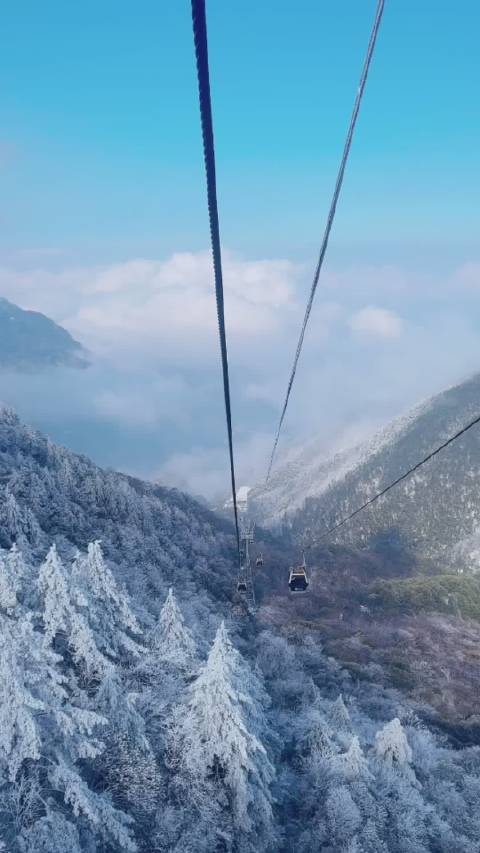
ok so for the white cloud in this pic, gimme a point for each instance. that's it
(378, 322)
(204, 471)
(148, 404)
(155, 392)
(468, 276)
(152, 307)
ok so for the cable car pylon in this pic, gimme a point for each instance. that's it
(245, 586)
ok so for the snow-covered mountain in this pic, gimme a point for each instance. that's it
(31, 341)
(125, 729)
(156, 537)
(429, 514)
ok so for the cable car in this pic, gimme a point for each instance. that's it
(298, 581)
(241, 586)
(259, 560)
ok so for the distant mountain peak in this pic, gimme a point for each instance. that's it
(31, 341)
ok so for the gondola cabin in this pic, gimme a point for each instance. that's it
(298, 581)
(241, 587)
(259, 561)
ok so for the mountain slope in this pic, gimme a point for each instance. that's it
(429, 514)
(156, 537)
(30, 341)
(287, 691)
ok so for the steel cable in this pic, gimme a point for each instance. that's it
(330, 219)
(201, 53)
(404, 476)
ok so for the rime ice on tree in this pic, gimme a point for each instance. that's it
(107, 607)
(392, 747)
(210, 741)
(339, 717)
(352, 764)
(170, 640)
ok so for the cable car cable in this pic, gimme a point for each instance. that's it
(402, 477)
(201, 53)
(331, 217)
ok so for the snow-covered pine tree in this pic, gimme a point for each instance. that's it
(217, 760)
(170, 641)
(161, 675)
(338, 716)
(392, 747)
(65, 628)
(352, 765)
(126, 765)
(52, 833)
(343, 817)
(16, 569)
(57, 607)
(44, 735)
(105, 605)
(8, 588)
(12, 514)
(408, 816)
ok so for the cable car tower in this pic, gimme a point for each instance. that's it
(245, 586)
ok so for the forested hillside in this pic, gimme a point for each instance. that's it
(154, 536)
(433, 514)
(136, 714)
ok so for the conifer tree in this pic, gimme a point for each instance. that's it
(126, 761)
(106, 606)
(15, 568)
(352, 764)
(8, 590)
(171, 654)
(338, 715)
(217, 759)
(65, 628)
(170, 640)
(392, 747)
(38, 719)
(162, 673)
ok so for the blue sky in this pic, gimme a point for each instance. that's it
(101, 167)
(99, 126)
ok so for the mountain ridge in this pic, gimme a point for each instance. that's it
(29, 341)
(433, 511)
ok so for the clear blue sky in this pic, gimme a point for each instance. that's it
(99, 137)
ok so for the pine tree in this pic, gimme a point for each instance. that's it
(352, 764)
(126, 763)
(8, 590)
(65, 628)
(57, 607)
(217, 759)
(39, 720)
(344, 818)
(106, 607)
(162, 674)
(392, 747)
(19, 735)
(339, 717)
(170, 641)
(52, 833)
(13, 516)
(15, 569)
